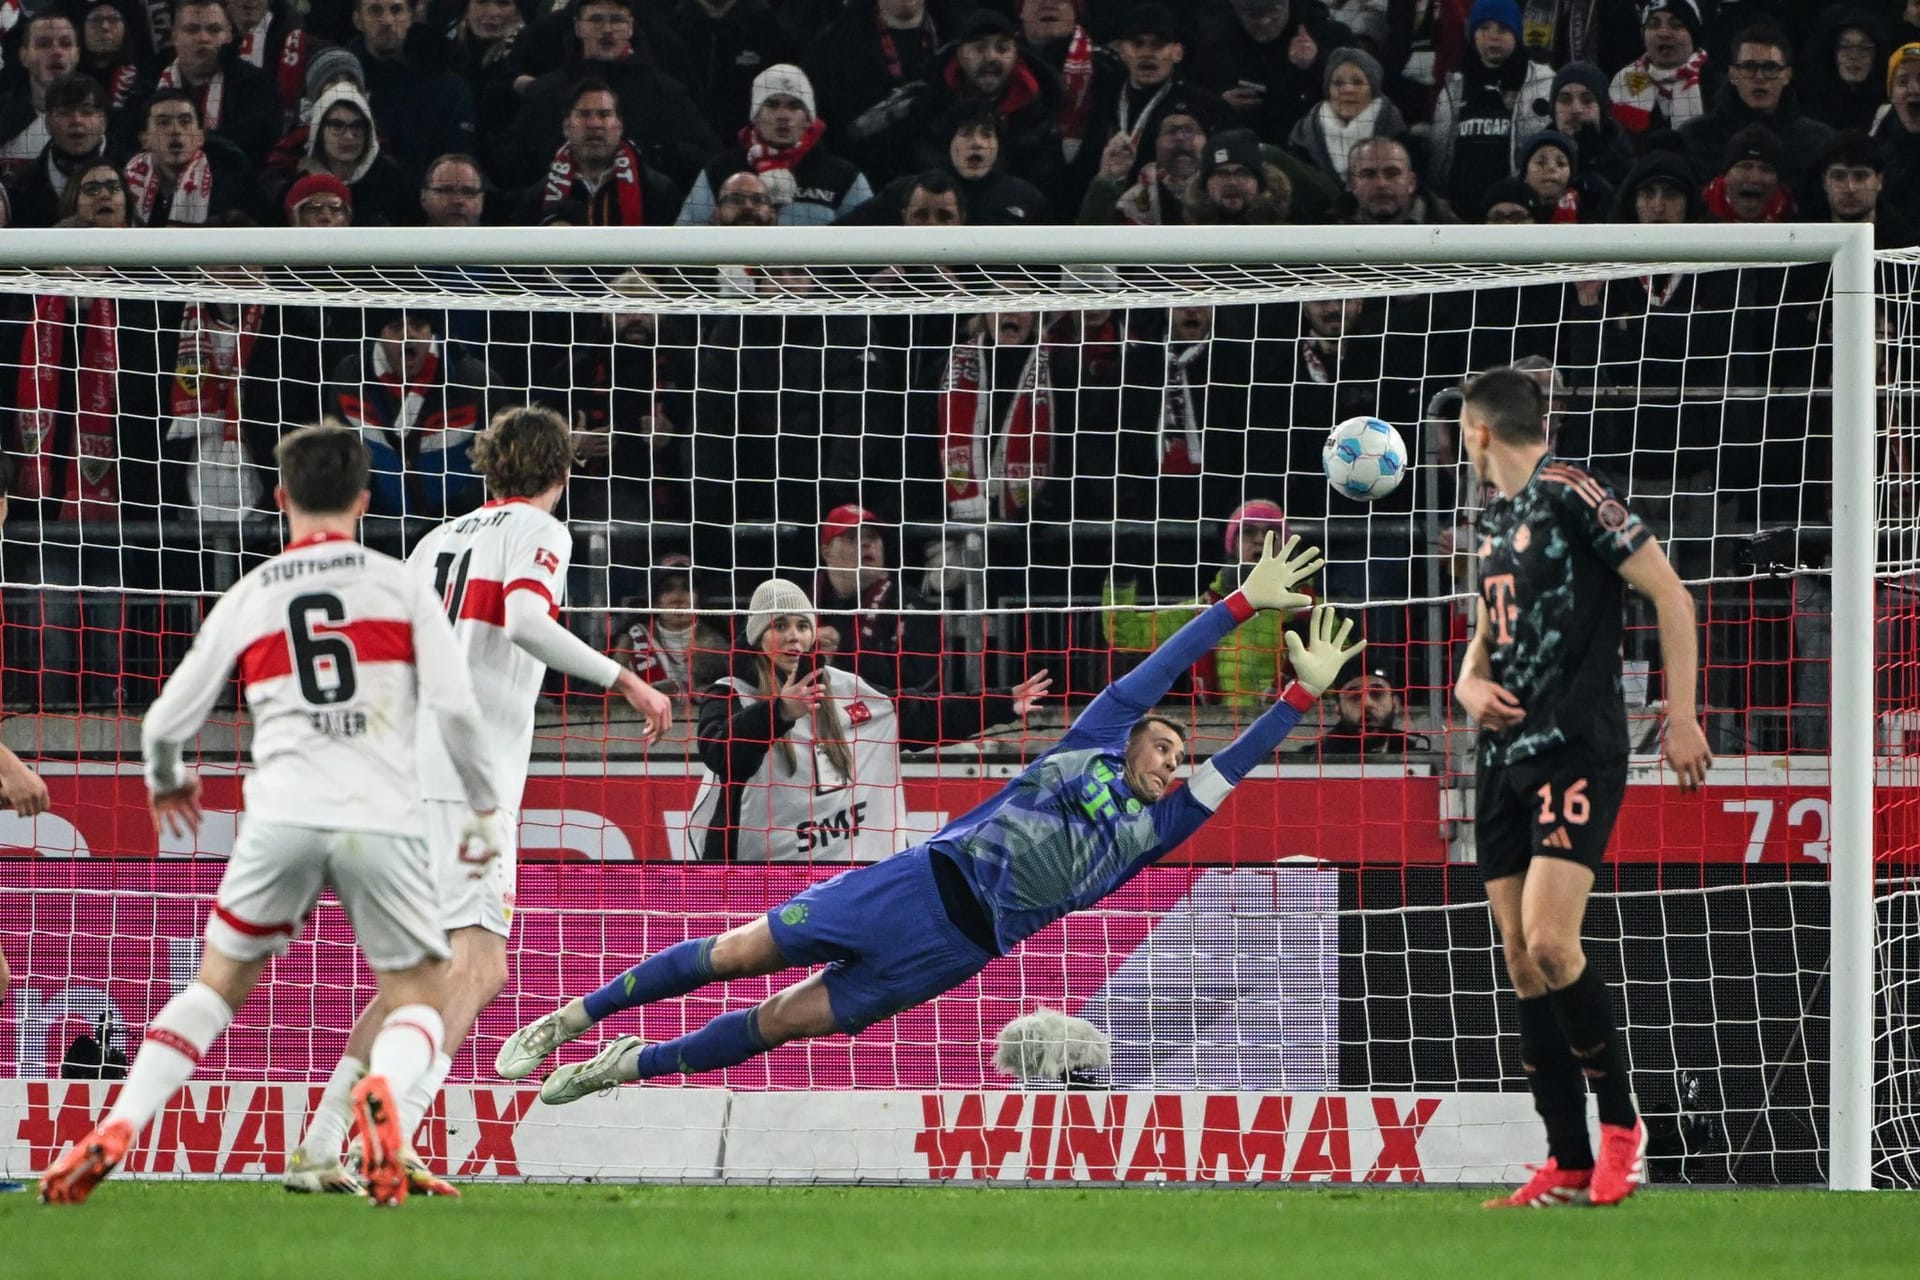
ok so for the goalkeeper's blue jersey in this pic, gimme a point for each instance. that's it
(1069, 831)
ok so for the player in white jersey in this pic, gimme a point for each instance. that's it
(339, 649)
(499, 573)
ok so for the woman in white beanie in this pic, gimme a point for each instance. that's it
(803, 761)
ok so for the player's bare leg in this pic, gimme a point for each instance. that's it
(745, 952)
(800, 1011)
(180, 1033)
(1553, 1074)
(1552, 909)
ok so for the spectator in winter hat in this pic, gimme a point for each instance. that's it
(870, 623)
(602, 169)
(1371, 721)
(1267, 59)
(1840, 70)
(1487, 108)
(1898, 135)
(810, 186)
(1509, 202)
(1236, 186)
(1660, 189)
(1671, 83)
(1352, 112)
(1759, 91)
(1582, 110)
(1564, 192)
(1749, 188)
(319, 200)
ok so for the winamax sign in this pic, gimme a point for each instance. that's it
(243, 1131)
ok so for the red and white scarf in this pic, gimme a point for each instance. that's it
(410, 394)
(890, 50)
(192, 190)
(1076, 98)
(213, 354)
(624, 177)
(1567, 207)
(763, 155)
(1641, 89)
(994, 470)
(1779, 204)
(210, 96)
(92, 489)
(1179, 423)
(290, 67)
(120, 86)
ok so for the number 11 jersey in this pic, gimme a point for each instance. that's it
(473, 564)
(340, 651)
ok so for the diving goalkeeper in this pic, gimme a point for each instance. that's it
(1077, 824)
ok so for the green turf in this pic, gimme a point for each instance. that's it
(211, 1230)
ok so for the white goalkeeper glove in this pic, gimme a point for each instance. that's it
(1270, 583)
(1316, 664)
(483, 837)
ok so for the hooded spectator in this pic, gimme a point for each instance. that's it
(1488, 107)
(783, 143)
(1759, 91)
(600, 168)
(1660, 188)
(1352, 112)
(1841, 80)
(1670, 84)
(116, 49)
(1266, 59)
(1581, 108)
(1750, 186)
(1236, 186)
(342, 141)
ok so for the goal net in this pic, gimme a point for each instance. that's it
(1033, 451)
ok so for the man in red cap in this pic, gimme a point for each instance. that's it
(319, 200)
(869, 622)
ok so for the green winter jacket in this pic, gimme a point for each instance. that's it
(1243, 672)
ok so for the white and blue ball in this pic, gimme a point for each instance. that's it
(1365, 459)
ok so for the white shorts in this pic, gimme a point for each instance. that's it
(465, 902)
(277, 871)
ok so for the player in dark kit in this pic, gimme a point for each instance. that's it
(1542, 681)
(1079, 822)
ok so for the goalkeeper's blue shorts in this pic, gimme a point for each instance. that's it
(885, 938)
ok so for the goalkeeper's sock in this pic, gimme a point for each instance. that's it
(728, 1040)
(1585, 1012)
(408, 1042)
(418, 1100)
(327, 1130)
(1559, 1090)
(176, 1039)
(682, 967)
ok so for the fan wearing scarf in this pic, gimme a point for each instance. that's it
(996, 420)
(1060, 39)
(186, 177)
(417, 408)
(271, 39)
(809, 184)
(237, 101)
(222, 414)
(82, 435)
(599, 168)
(1669, 84)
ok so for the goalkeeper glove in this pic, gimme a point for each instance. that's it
(1270, 583)
(487, 830)
(1316, 664)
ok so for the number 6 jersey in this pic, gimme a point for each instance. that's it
(339, 649)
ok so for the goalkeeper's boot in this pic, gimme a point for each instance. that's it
(381, 1146)
(1622, 1163)
(533, 1044)
(77, 1172)
(307, 1174)
(1550, 1187)
(611, 1067)
(421, 1180)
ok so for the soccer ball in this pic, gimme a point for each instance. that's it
(1364, 458)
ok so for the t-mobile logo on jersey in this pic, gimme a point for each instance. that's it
(1500, 606)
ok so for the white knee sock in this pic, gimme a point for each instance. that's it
(417, 1101)
(176, 1038)
(327, 1128)
(408, 1042)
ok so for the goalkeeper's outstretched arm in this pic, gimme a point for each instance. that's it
(1269, 585)
(1316, 666)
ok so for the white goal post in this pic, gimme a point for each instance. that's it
(1086, 268)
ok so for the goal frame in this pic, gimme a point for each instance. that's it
(1846, 249)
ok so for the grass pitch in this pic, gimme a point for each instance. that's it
(585, 1232)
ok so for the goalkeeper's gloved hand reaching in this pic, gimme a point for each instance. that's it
(1270, 583)
(1316, 664)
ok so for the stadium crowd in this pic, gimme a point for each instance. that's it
(765, 113)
